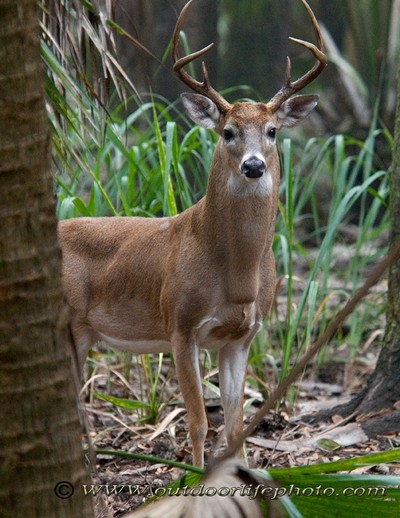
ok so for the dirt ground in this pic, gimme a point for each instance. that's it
(116, 429)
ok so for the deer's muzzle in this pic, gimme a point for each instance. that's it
(253, 167)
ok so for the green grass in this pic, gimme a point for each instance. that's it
(152, 171)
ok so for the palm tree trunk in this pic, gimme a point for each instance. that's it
(40, 432)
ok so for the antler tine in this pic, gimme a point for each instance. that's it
(203, 87)
(289, 88)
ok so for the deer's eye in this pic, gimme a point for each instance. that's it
(271, 133)
(228, 135)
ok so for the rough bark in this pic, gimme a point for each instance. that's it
(40, 432)
(382, 390)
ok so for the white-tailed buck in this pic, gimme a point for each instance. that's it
(204, 278)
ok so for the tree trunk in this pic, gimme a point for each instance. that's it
(40, 431)
(382, 390)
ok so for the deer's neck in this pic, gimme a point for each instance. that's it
(237, 230)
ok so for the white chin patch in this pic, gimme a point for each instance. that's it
(240, 185)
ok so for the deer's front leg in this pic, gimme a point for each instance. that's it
(186, 359)
(232, 371)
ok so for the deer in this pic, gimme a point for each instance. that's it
(205, 278)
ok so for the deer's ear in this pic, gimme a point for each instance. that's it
(295, 109)
(201, 110)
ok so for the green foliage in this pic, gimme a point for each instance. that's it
(135, 172)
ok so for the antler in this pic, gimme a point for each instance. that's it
(289, 88)
(203, 87)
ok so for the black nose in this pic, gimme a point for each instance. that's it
(253, 167)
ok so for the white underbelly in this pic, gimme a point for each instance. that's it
(203, 335)
(137, 346)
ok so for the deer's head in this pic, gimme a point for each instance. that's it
(248, 130)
